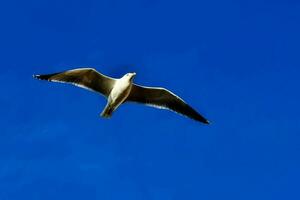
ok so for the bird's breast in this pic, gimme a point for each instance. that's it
(120, 91)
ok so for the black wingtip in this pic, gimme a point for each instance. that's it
(207, 122)
(44, 77)
(41, 77)
(201, 119)
(36, 76)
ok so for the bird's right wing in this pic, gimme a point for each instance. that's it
(87, 78)
(163, 98)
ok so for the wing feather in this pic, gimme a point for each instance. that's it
(163, 98)
(87, 78)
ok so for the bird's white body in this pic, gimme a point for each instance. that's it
(120, 91)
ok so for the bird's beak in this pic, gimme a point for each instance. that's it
(133, 73)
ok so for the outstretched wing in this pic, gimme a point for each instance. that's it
(162, 98)
(87, 78)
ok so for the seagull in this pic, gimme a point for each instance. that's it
(119, 91)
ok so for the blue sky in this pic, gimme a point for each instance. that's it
(237, 62)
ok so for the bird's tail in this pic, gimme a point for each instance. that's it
(107, 111)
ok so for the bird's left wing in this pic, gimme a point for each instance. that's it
(87, 78)
(163, 98)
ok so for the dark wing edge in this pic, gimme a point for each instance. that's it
(87, 78)
(164, 99)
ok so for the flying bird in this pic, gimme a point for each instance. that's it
(119, 91)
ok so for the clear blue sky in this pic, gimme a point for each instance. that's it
(237, 62)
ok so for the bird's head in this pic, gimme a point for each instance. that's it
(130, 76)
